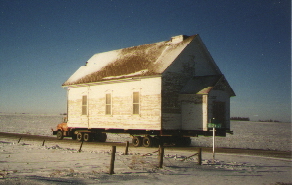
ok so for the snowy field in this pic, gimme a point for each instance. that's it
(248, 135)
(28, 162)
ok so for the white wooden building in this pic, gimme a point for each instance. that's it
(172, 85)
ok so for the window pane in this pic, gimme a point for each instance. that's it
(135, 108)
(108, 109)
(135, 97)
(84, 110)
(108, 99)
(84, 100)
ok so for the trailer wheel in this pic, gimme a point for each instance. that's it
(60, 135)
(137, 141)
(183, 141)
(187, 141)
(79, 136)
(100, 137)
(74, 136)
(148, 141)
(103, 137)
(87, 137)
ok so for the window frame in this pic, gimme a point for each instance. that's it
(136, 103)
(108, 104)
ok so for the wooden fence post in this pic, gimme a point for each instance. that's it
(200, 156)
(112, 165)
(19, 139)
(161, 155)
(127, 148)
(80, 147)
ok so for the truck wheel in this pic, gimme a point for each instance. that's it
(79, 136)
(137, 141)
(60, 135)
(147, 141)
(87, 137)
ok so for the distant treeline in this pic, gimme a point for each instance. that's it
(240, 118)
(268, 120)
(247, 119)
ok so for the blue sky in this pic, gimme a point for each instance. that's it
(43, 42)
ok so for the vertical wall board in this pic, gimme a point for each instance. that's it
(205, 108)
(192, 112)
(171, 121)
(204, 62)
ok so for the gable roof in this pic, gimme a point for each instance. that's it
(204, 84)
(142, 60)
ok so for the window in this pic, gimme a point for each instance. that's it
(84, 105)
(136, 102)
(108, 104)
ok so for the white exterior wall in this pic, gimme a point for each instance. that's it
(194, 112)
(122, 105)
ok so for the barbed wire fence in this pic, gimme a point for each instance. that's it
(153, 161)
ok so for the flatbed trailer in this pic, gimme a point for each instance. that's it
(146, 138)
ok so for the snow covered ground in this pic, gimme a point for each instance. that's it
(28, 162)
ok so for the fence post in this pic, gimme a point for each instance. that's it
(200, 156)
(161, 155)
(80, 147)
(112, 165)
(127, 148)
(43, 143)
(19, 139)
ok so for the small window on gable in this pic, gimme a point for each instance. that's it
(84, 105)
(136, 103)
(108, 104)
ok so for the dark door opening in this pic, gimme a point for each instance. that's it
(219, 112)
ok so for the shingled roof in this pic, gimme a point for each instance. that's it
(136, 61)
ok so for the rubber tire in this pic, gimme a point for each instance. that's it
(60, 135)
(74, 136)
(148, 141)
(100, 137)
(187, 141)
(183, 141)
(87, 137)
(137, 141)
(79, 136)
